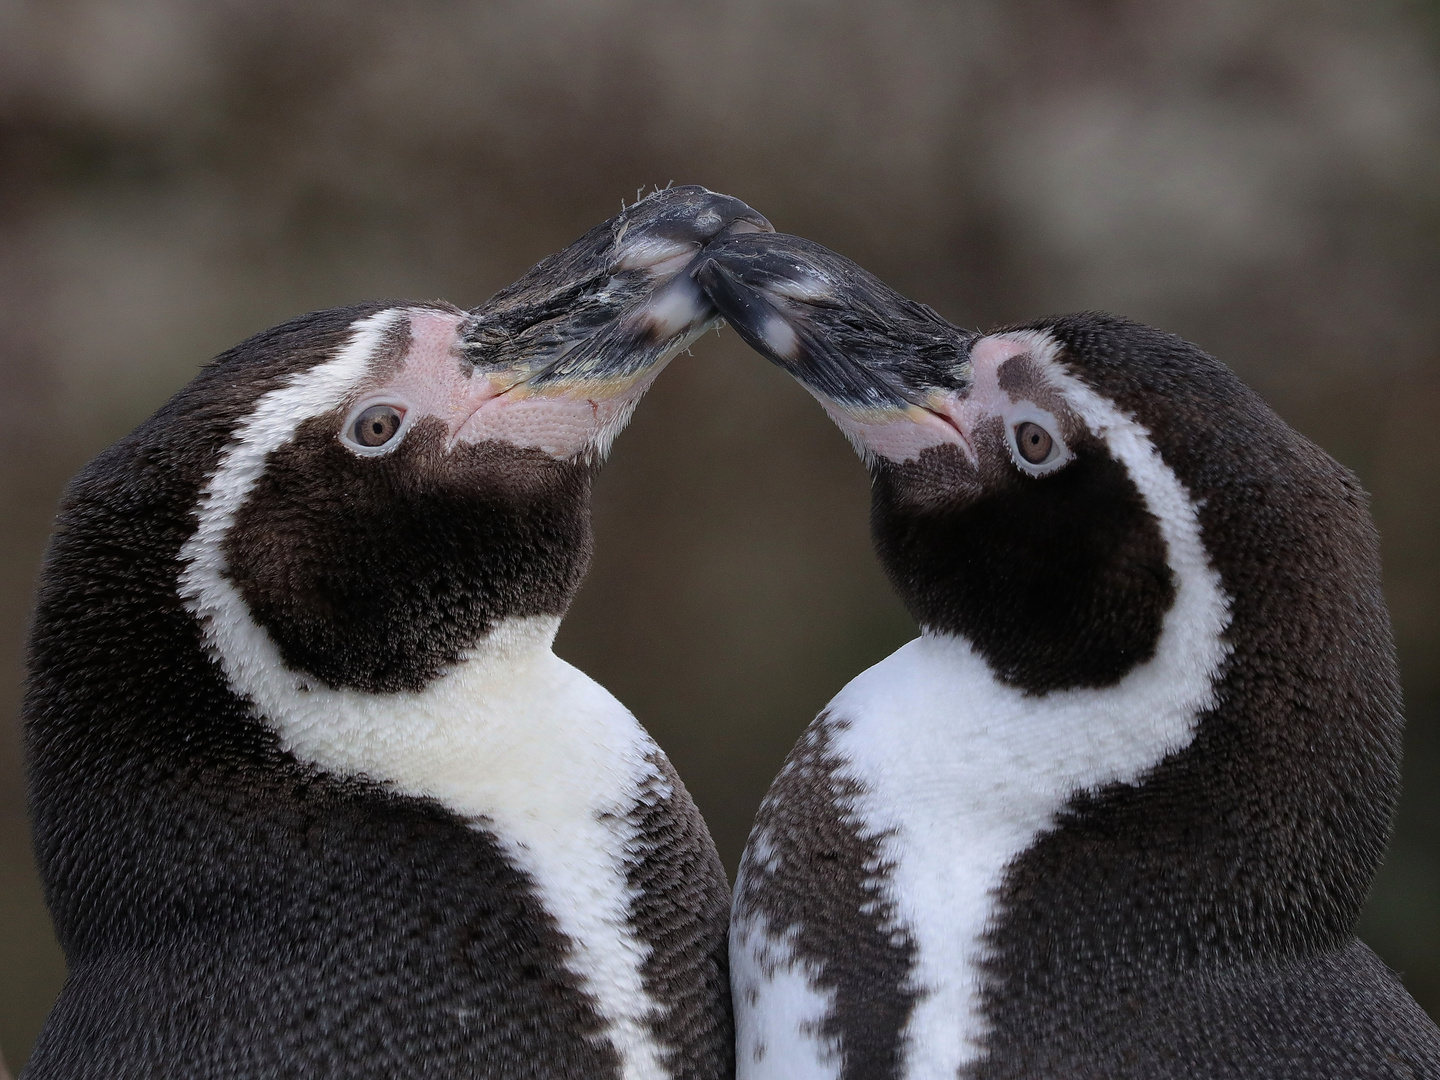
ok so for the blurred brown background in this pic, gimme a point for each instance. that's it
(1262, 176)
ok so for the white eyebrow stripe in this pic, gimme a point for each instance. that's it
(203, 585)
(477, 739)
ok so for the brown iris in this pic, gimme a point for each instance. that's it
(377, 425)
(1035, 443)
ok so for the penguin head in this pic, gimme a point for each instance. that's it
(321, 583)
(999, 514)
(374, 490)
(1039, 490)
(1174, 600)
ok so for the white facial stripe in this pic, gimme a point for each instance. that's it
(513, 738)
(962, 772)
(273, 423)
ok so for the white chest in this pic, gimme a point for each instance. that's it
(512, 738)
(553, 764)
(959, 774)
(525, 746)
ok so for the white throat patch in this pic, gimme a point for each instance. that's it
(512, 738)
(962, 773)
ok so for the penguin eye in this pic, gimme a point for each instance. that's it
(1034, 446)
(376, 426)
(1034, 443)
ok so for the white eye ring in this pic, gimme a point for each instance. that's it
(347, 430)
(1060, 454)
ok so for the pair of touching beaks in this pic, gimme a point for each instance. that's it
(590, 327)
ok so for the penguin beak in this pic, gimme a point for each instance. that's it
(888, 370)
(585, 332)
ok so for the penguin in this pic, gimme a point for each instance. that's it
(311, 794)
(1114, 813)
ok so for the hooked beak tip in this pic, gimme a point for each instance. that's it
(847, 336)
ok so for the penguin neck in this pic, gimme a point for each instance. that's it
(511, 734)
(958, 773)
(966, 770)
(516, 741)
(995, 754)
(509, 687)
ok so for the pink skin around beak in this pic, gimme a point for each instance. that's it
(947, 416)
(565, 420)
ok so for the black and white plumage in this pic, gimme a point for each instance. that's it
(1115, 812)
(312, 795)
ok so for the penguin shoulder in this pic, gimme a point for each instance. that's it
(927, 677)
(511, 731)
(553, 735)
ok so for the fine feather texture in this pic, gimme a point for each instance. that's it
(480, 734)
(997, 854)
(312, 795)
(953, 771)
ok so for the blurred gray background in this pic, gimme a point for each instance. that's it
(1261, 176)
